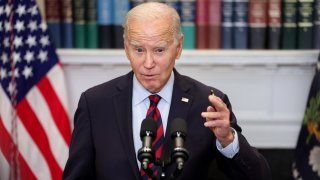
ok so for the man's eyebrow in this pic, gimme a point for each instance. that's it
(162, 44)
(134, 43)
(159, 44)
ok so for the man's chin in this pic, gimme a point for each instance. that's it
(151, 88)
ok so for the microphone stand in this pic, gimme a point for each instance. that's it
(163, 164)
(149, 172)
(179, 155)
(176, 173)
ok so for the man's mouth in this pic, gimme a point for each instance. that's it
(149, 76)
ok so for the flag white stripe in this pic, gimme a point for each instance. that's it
(57, 80)
(4, 167)
(27, 148)
(57, 144)
(31, 154)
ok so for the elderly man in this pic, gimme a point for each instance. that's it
(107, 122)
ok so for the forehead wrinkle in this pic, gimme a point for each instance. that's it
(134, 43)
(161, 39)
(145, 29)
(157, 44)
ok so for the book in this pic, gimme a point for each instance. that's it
(289, 24)
(91, 25)
(202, 24)
(274, 24)
(316, 21)
(188, 29)
(257, 24)
(105, 23)
(305, 24)
(121, 8)
(214, 24)
(79, 31)
(53, 20)
(66, 24)
(134, 3)
(173, 3)
(240, 13)
(227, 24)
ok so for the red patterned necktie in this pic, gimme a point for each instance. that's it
(154, 113)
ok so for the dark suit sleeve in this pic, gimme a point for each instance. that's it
(80, 164)
(248, 163)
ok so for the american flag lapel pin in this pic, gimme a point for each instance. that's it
(183, 99)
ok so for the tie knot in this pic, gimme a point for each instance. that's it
(154, 99)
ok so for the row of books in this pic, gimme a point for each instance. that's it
(206, 24)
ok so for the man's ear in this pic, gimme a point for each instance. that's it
(179, 48)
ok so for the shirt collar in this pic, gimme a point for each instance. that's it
(140, 93)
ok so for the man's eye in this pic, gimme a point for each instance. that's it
(159, 50)
(139, 50)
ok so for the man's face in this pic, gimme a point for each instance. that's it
(152, 52)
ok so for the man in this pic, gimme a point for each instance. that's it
(107, 122)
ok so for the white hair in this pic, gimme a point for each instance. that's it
(151, 11)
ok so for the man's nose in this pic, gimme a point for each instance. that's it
(149, 60)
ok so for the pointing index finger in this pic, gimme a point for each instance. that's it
(216, 102)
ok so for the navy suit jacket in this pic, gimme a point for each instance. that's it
(102, 141)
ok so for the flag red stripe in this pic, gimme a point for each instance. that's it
(34, 128)
(57, 111)
(5, 141)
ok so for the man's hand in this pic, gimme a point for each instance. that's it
(217, 119)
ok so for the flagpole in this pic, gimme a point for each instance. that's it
(14, 148)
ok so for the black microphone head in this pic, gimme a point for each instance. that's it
(178, 125)
(148, 125)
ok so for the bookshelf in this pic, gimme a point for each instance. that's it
(267, 88)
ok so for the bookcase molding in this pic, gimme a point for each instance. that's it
(197, 57)
(267, 88)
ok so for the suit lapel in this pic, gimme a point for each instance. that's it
(123, 107)
(180, 104)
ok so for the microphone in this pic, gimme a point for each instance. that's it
(147, 134)
(178, 135)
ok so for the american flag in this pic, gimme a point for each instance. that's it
(35, 129)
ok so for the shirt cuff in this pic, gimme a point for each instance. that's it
(232, 149)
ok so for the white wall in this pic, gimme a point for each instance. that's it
(268, 89)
